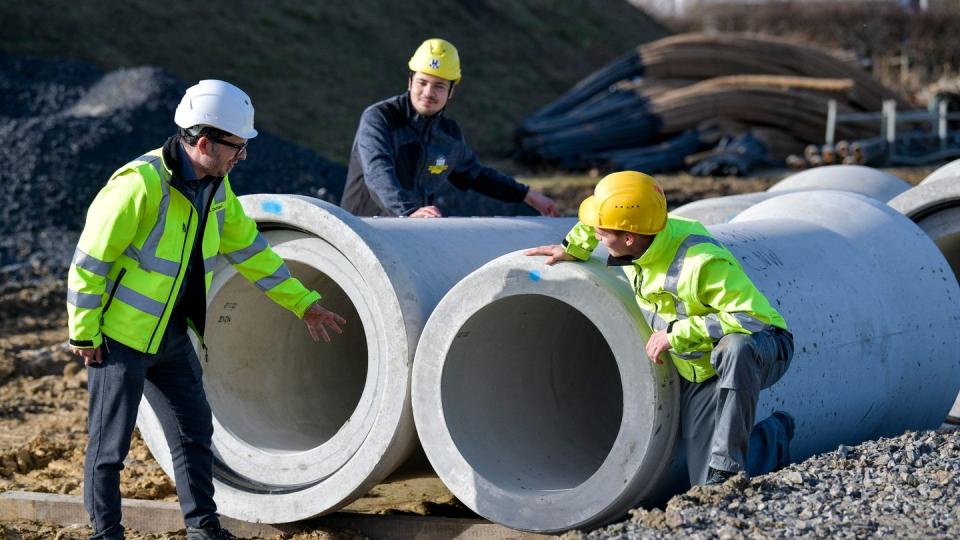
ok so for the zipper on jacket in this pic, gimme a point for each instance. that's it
(183, 247)
(113, 291)
(428, 131)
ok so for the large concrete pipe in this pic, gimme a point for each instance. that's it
(950, 170)
(303, 428)
(538, 408)
(934, 205)
(866, 181)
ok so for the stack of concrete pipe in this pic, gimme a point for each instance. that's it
(866, 181)
(569, 425)
(530, 390)
(934, 204)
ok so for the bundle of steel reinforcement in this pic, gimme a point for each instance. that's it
(651, 99)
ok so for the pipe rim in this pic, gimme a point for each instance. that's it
(611, 489)
(390, 436)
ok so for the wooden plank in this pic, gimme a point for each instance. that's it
(161, 516)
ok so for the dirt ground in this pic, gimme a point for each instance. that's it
(43, 400)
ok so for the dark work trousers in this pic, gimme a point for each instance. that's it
(717, 415)
(115, 388)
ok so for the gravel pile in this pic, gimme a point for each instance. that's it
(903, 487)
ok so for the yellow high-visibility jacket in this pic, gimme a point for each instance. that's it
(133, 253)
(692, 286)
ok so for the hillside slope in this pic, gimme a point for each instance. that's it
(312, 67)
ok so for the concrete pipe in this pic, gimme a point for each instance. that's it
(567, 424)
(716, 210)
(866, 181)
(304, 428)
(934, 205)
(950, 170)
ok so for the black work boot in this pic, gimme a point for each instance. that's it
(788, 422)
(211, 532)
(716, 476)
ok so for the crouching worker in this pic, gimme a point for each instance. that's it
(708, 319)
(139, 279)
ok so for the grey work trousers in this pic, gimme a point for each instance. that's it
(115, 387)
(717, 415)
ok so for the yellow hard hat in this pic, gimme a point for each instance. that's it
(626, 201)
(437, 57)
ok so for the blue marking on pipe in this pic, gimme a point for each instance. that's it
(272, 207)
(534, 275)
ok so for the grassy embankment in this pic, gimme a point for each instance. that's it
(312, 67)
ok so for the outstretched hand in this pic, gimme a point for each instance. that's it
(541, 203)
(554, 253)
(427, 212)
(318, 319)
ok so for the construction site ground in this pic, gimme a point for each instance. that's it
(43, 400)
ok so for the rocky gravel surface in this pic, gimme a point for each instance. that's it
(901, 487)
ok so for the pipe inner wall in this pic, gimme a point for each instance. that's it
(530, 421)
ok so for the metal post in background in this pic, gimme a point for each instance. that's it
(942, 123)
(831, 121)
(890, 124)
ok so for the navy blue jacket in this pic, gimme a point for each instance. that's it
(400, 159)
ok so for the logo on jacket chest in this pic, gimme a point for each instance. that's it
(439, 166)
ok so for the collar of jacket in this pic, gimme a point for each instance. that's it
(623, 260)
(416, 119)
(659, 245)
(171, 159)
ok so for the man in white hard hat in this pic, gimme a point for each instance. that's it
(138, 281)
(405, 149)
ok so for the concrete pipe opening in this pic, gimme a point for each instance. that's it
(534, 400)
(288, 411)
(934, 205)
(526, 420)
(283, 393)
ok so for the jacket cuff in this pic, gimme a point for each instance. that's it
(92, 343)
(575, 250)
(677, 343)
(305, 304)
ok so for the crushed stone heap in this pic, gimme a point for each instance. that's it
(900, 487)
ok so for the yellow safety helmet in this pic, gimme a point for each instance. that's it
(437, 57)
(626, 201)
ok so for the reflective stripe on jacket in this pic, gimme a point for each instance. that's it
(133, 253)
(691, 285)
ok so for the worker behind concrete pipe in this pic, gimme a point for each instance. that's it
(406, 149)
(138, 280)
(719, 331)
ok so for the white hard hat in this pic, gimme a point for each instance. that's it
(218, 104)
